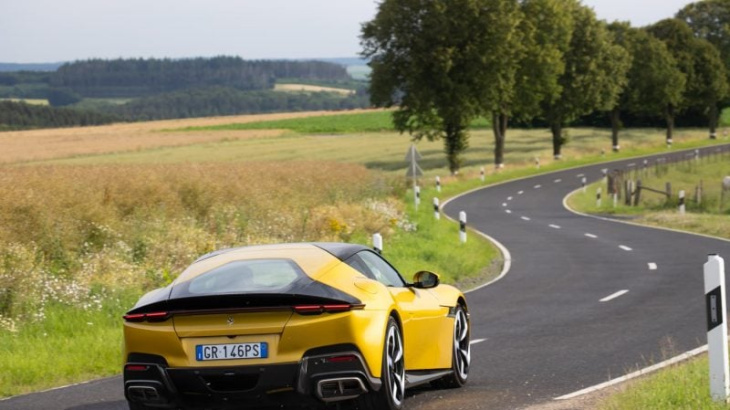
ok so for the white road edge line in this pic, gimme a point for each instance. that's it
(476, 341)
(652, 266)
(555, 226)
(615, 295)
(590, 235)
(626, 248)
(642, 372)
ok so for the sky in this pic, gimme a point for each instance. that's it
(39, 31)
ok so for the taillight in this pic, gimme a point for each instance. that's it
(341, 359)
(319, 309)
(149, 317)
(136, 368)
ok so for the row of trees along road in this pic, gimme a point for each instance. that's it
(443, 63)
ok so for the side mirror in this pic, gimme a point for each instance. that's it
(425, 280)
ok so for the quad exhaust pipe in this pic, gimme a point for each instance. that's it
(144, 394)
(345, 388)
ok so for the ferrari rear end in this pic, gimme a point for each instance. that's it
(249, 328)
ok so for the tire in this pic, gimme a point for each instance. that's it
(392, 393)
(460, 354)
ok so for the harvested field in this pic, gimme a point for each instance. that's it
(36, 145)
(311, 89)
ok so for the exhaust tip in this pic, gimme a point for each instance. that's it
(345, 388)
(144, 394)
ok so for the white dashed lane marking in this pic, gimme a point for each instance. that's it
(509, 198)
(538, 186)
(614, 296)
(626, 248)
(557, 181)
(524, 218)
(508, 211)
(590, 235)
(521, 192)
(555, 226)
(652, 266)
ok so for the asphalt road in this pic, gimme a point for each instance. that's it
(586, 300)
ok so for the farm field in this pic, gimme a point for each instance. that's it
(311, 89)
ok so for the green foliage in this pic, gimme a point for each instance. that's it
(59, 97)
(142, 77)
(595, 73)
(216, 101)
(19, 115)
(435, 61)
(710, 20)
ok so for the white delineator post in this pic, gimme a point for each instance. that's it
(715, 297)
(436, 209)
(583, 182)
(378, 243)
(681, 203)
(462, 226)
(481, 174)
(598, 197)
(417, 195)
(438, 184)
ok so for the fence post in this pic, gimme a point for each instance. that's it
(378, 243)
(715, 297)
(681, 203)
(436, 209)
(637, 195)
(669, 190)
(462, 226)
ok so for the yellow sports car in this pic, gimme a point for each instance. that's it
(293, 324)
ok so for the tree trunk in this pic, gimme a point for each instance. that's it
(499, 126)
(557, 129)
(615, 125)
(670, 123)
(713, 121)
(454, 143)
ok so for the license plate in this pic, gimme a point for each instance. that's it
(232, 351)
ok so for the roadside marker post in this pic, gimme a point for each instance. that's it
(583, 182)
(481, 174)
(682, 207)
(436, 209)
(417, 192)
(378, 243)
(438, 184)
(598, 198)
(462, 226)
(715, 297)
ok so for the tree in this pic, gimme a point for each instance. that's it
(710, 20)
(710, 82)
(58, 97)
(653, 80)
(434, 60)
(595, 74)
(699, 61)
(505, 35)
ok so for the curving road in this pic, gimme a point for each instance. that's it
(586, 300)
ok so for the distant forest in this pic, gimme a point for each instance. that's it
(146, 89)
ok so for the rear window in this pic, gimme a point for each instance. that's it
(250, 276)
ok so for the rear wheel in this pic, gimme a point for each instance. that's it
(461, 352)
(393, 391)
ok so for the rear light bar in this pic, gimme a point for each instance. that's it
(136, 368)
(147, 317)
(319, 309)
